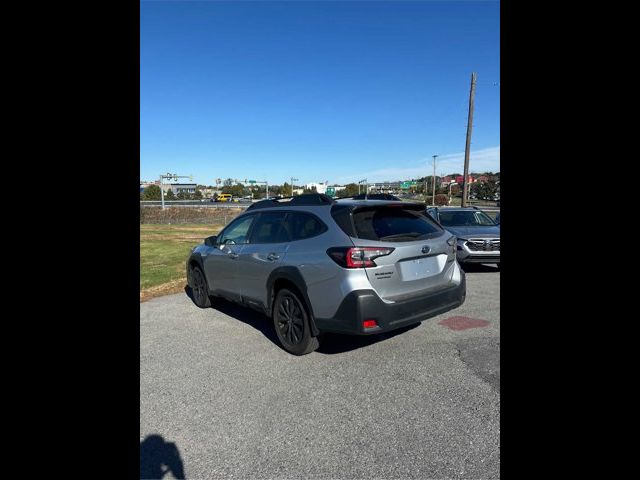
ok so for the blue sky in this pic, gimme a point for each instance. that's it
(324, 90)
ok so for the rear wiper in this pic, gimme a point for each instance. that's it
(402, 235)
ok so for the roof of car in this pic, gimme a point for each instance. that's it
(319, 200)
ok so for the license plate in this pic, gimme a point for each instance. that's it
(422, 267)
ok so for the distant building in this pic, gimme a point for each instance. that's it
(207, 192)
(179, 187)
(144, 184)
(320, 187)
(460, 179)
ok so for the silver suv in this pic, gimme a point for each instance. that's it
(315, 265)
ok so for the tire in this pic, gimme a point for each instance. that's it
(199, 288)
(291, 323)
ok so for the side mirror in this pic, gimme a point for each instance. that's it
(211, 241)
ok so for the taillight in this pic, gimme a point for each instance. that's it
(357, 257)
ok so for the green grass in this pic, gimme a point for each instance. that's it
(164, 250)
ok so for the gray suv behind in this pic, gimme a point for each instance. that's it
(315, 265)
(478, 235)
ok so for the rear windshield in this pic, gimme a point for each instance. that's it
(394, 224)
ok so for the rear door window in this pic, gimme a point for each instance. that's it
(269, 228)
(303, 225)
(394, 224)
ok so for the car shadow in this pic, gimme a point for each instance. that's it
(333, 343)
(330, 344)
(479, 267)
(159, 457)
(257, 320)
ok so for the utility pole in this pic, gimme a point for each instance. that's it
(472, 94)
(366, 193)
(161, 192)
(433, 198)
(425, 189)
(293, 180)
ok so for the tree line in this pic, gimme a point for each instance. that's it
(152, 192)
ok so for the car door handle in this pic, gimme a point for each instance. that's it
(233, 255)
(273, 256)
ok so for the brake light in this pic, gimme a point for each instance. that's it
(357, 257)
(369, 324)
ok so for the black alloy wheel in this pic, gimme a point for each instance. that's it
(292, 324)
(199, 288)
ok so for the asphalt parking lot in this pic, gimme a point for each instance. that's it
(220, 398)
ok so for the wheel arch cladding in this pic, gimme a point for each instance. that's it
(290, 277)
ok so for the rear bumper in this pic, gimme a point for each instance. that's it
(361, 305)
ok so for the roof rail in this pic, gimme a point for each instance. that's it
(308, 199)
